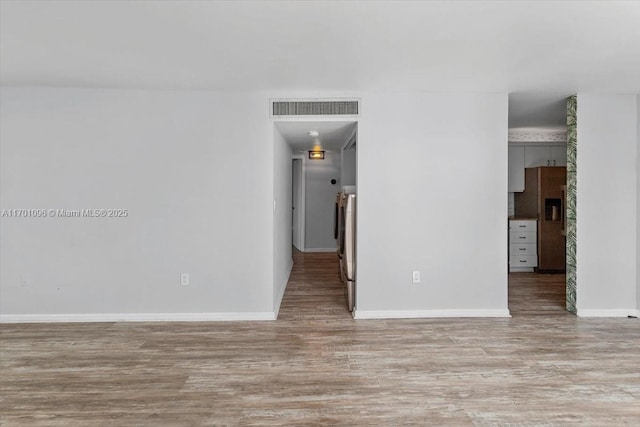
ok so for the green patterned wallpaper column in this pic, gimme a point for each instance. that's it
(572, 146)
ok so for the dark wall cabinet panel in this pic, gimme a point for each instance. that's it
(544, 198)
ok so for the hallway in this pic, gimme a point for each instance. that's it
(314, 291)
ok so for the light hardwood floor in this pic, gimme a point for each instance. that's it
(537, 294)
(317, 366)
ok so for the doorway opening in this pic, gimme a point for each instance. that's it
(312, 184)
(537, 200)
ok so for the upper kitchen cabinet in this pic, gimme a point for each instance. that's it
(559, 155)
(549, 154)
(530, 155)
(516, 169)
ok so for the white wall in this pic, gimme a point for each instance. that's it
(194, 170)
(638, 206)
(349, 166)
(198, 172)
(320, 197)
(432, 196)
(607, 194)
(282, 261)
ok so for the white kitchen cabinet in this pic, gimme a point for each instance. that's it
(545, 155)
(536, 155)
(516, 169)
(530, 155)
(523, 248)
(559, 155)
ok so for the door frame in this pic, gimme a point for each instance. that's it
(302, 200)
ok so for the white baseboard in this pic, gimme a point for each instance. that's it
(412, 314)
(283, 288)
(615, 312)
(319, 250)
(137, 317)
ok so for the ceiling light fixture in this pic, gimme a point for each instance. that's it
(313, 133)
(316, 155)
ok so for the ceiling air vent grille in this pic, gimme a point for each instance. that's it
(315, 108)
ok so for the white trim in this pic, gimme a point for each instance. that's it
(411, 314)
(537, 144)
(137, 317)
(352, 138)
(283, 288)
(613, 312)
(538, 135)
(302, 207)
(319, 250)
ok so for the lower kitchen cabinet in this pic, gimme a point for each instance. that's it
(523, 250)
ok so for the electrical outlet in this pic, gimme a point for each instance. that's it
(416, 277)
(184, 279)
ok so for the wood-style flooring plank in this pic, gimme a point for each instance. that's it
(315, 365)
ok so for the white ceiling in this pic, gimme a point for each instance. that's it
(536, 110)
(526, 47)
(333, 135)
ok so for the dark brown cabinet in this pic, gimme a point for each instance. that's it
(543, 198)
